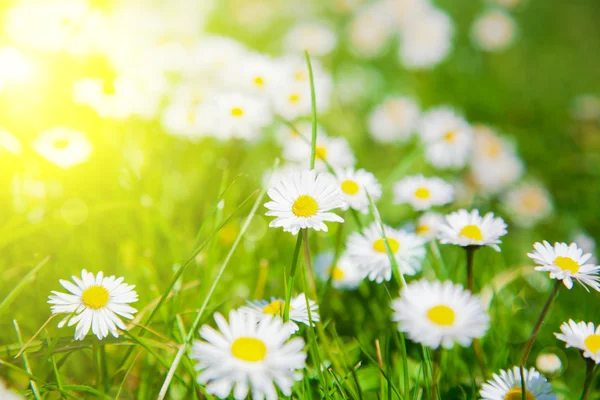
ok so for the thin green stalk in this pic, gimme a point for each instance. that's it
(290, 287)
(313, 101)
(22, 283)
(590, 371)
(34, 388)
(470, 259)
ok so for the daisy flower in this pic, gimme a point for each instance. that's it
(292, 101)
(94, 302)
(275, 307)
(304, 200)
(253, 73)
(494, 30)
(10, 142)
(395, 120)
(370, 30)
(344, 274)
(300, 135)
(548, 363)
(368, 252)
(507, 386)
(447, 136)
(527, 204)
(428, 225)
(248, 354)
(466, 228)
(436, 313)
(564, 262)
(355, 184)
(585, 242)
(334, 150)
(181, 116)
(423, 193)
(582, 336)
(63, 146)
(315, 37)
(235, 115)
(426, 40)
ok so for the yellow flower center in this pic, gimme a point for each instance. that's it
(95, 297)
(379, 245)
(422, 193)
(349, 187)
(450, 136)
(237, 112)
(493, 149)
(532, 201)
(517, 394)
(422, 229)
(592, 343)
(299, 76)
(566, 264)
(249, 349)
(471, 232)
(294, 98)
(191, 117)
(276, 307)
(305, 206)
(61, 143)
(108, 87)
(441, 315)
(337, 274)
(259, 81)
(321, 152)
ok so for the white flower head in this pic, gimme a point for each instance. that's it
(334, 151)
(507, 386)
(355, 184)
(315, 37)
(370, 30)
(248, 354)
(426, 40)
(395, 120)
(63, 147)
(436, 313)
(94, 302)
(494, 30)
(253, 73)
(235, 115)
(181, 117)
(448, 138)
(276, 306)
(582, 336)
(465, 228)
(548, 363)
(10, 143)
(565, 262)
(428, 225)
(8, 394)
(423, 193)
(304, 200)
(368, 252)
(344, 274)
(300, 135)
(527, 203)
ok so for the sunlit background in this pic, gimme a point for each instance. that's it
(121, 121)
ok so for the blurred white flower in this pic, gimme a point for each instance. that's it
(9, 143)
(448, 138)
(15, 67)
(355, 184)
(395, 120)
(334, 150)
(315, 37)
(302, 134)
(527, 204)
(428, 225)
(585, 242)
(426, 40)
(254, 73)
(402, 12)
(63, 146)
(586, 107)
(344, 274)
(211, 55)
(494, 30)
(266, 309)
(423, 193)
(369, 30)
(181, 117)
(548, 363)
(8, 394)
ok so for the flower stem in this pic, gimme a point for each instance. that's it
(539, 322)
(437, 359)
(591, 370)
(311, 281)
(470, 258)
(290, 288)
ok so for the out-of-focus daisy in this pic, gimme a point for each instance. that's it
(494, 30)
(275, 307)
(447, 136)
(466, 228)
(507, 386)
(548, 363)
(586, 243)
(334, 150)
(248, 355)
(436, 313)
(368, 251)
(423, 193)
(369, 30)
(344, 274)
(297, 81)
(181, 116)
(7, 394)
(292, 101)
(301, 133)
(304, 200)
(426, 40)
(10, 143)
(394, 120)
(586, 107)
(212, 54)
(355, 185)
(253, 73)
(564, 262)
(428, 224)
(527, 203)
(63, 146)
(235, 115)
(405, 11)
(316, 38)
(582, 336)
(94, 302)
(15, 67)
